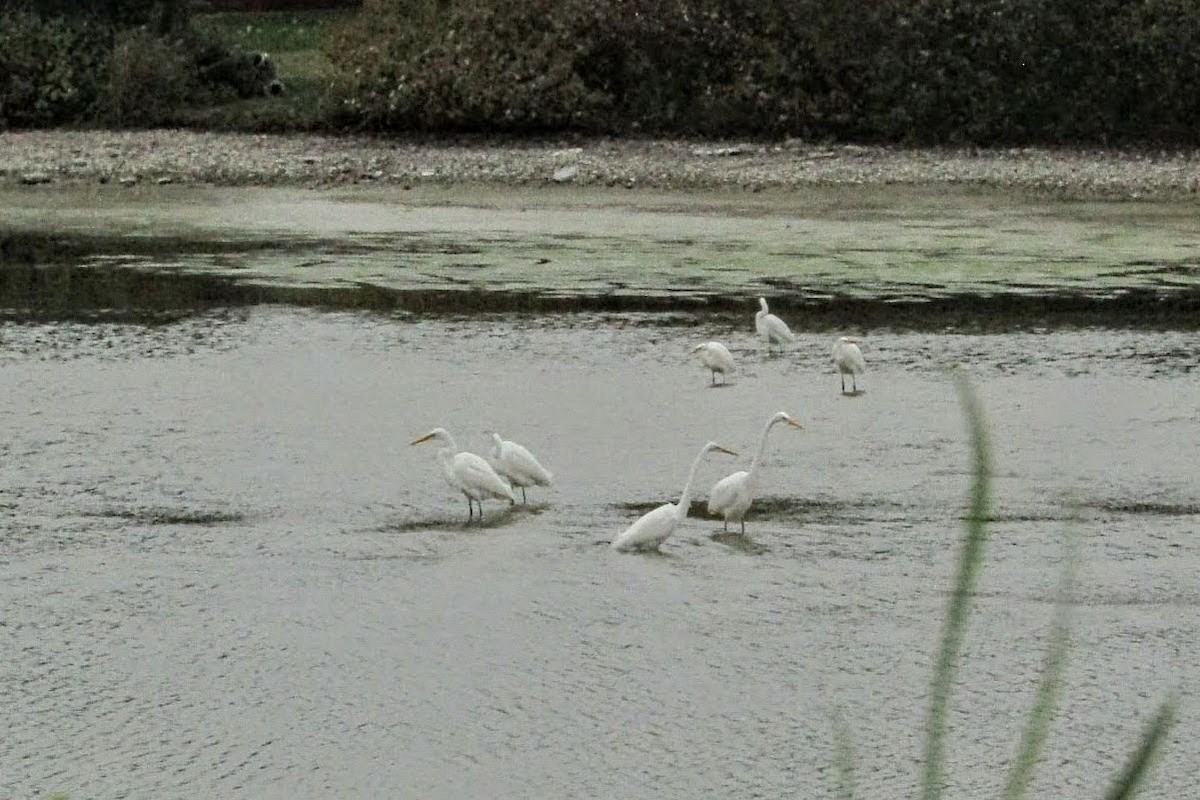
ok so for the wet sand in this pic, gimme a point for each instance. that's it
(225, 572)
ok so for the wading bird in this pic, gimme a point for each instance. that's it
(518, 465)
(469, 473)
(655, 527)
(716, 357)
(732, 496)
(849, 360)
(771, 327)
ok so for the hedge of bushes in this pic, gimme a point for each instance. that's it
(133, 62)
(982, 71)
(50, 71)
(926, 71)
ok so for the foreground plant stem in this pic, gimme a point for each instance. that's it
(970, 560)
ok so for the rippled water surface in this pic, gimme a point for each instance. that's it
(225, 573)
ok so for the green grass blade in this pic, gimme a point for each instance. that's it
(1045, 702)
(1142, 758)
(843, 758)
(970, 560)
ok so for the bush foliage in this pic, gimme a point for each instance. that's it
(148, 79)
(916, 71)
(980, 71)
(50, 70)
(129, 63)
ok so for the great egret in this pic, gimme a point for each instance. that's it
(655, 527)
(716, 357)
(771, 327)
(732, 496)
(518, 465)
(469, 473)
(849, 360)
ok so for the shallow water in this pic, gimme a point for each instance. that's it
(891, 256)
(226, 573)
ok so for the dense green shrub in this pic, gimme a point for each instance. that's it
(161, 15)
(68, 63)
(980, 71)
(429, 65)
(532, 64)
(929, 71)
(50, 69)
(150, 79)
(1038, 70)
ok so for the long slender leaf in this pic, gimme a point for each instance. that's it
(1045, 702)
(1139, 763)
(970, 560)
(843, 757)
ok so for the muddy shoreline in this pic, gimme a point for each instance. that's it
(60, 157)
(226, 573)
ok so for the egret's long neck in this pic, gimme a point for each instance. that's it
(685, 500)
(446, 456)
(762, 448)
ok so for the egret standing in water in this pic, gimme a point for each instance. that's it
(655, 527)
(518, 465)
(849, 360)
(771, 327)
(732, 496)
(716, 357)
(470, 474)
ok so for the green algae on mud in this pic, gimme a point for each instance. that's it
(871, 257)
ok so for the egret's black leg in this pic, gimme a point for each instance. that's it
(743, 526)
(843, 383)
(524, 501)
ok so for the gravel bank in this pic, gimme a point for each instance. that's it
(233, 159)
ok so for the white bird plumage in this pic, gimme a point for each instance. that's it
(469, 473)
(733, 495)
(518, 465)
(655, 527)
(771, 327)
(849, 360)
(716, 357)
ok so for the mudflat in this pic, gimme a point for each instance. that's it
(225, 571)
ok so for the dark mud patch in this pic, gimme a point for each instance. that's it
(1102, 506)
(172, 516)
(492, 519)
(1027, 516)
(1142, 507)
(739, 542)
(787, 509)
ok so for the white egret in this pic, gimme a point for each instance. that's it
(716, 357)
(771, 327)
(655, 527)
(733, 495)
(849, 360)
(518, 465)
(470, 474)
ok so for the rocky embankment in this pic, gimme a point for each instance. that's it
(233, 159)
